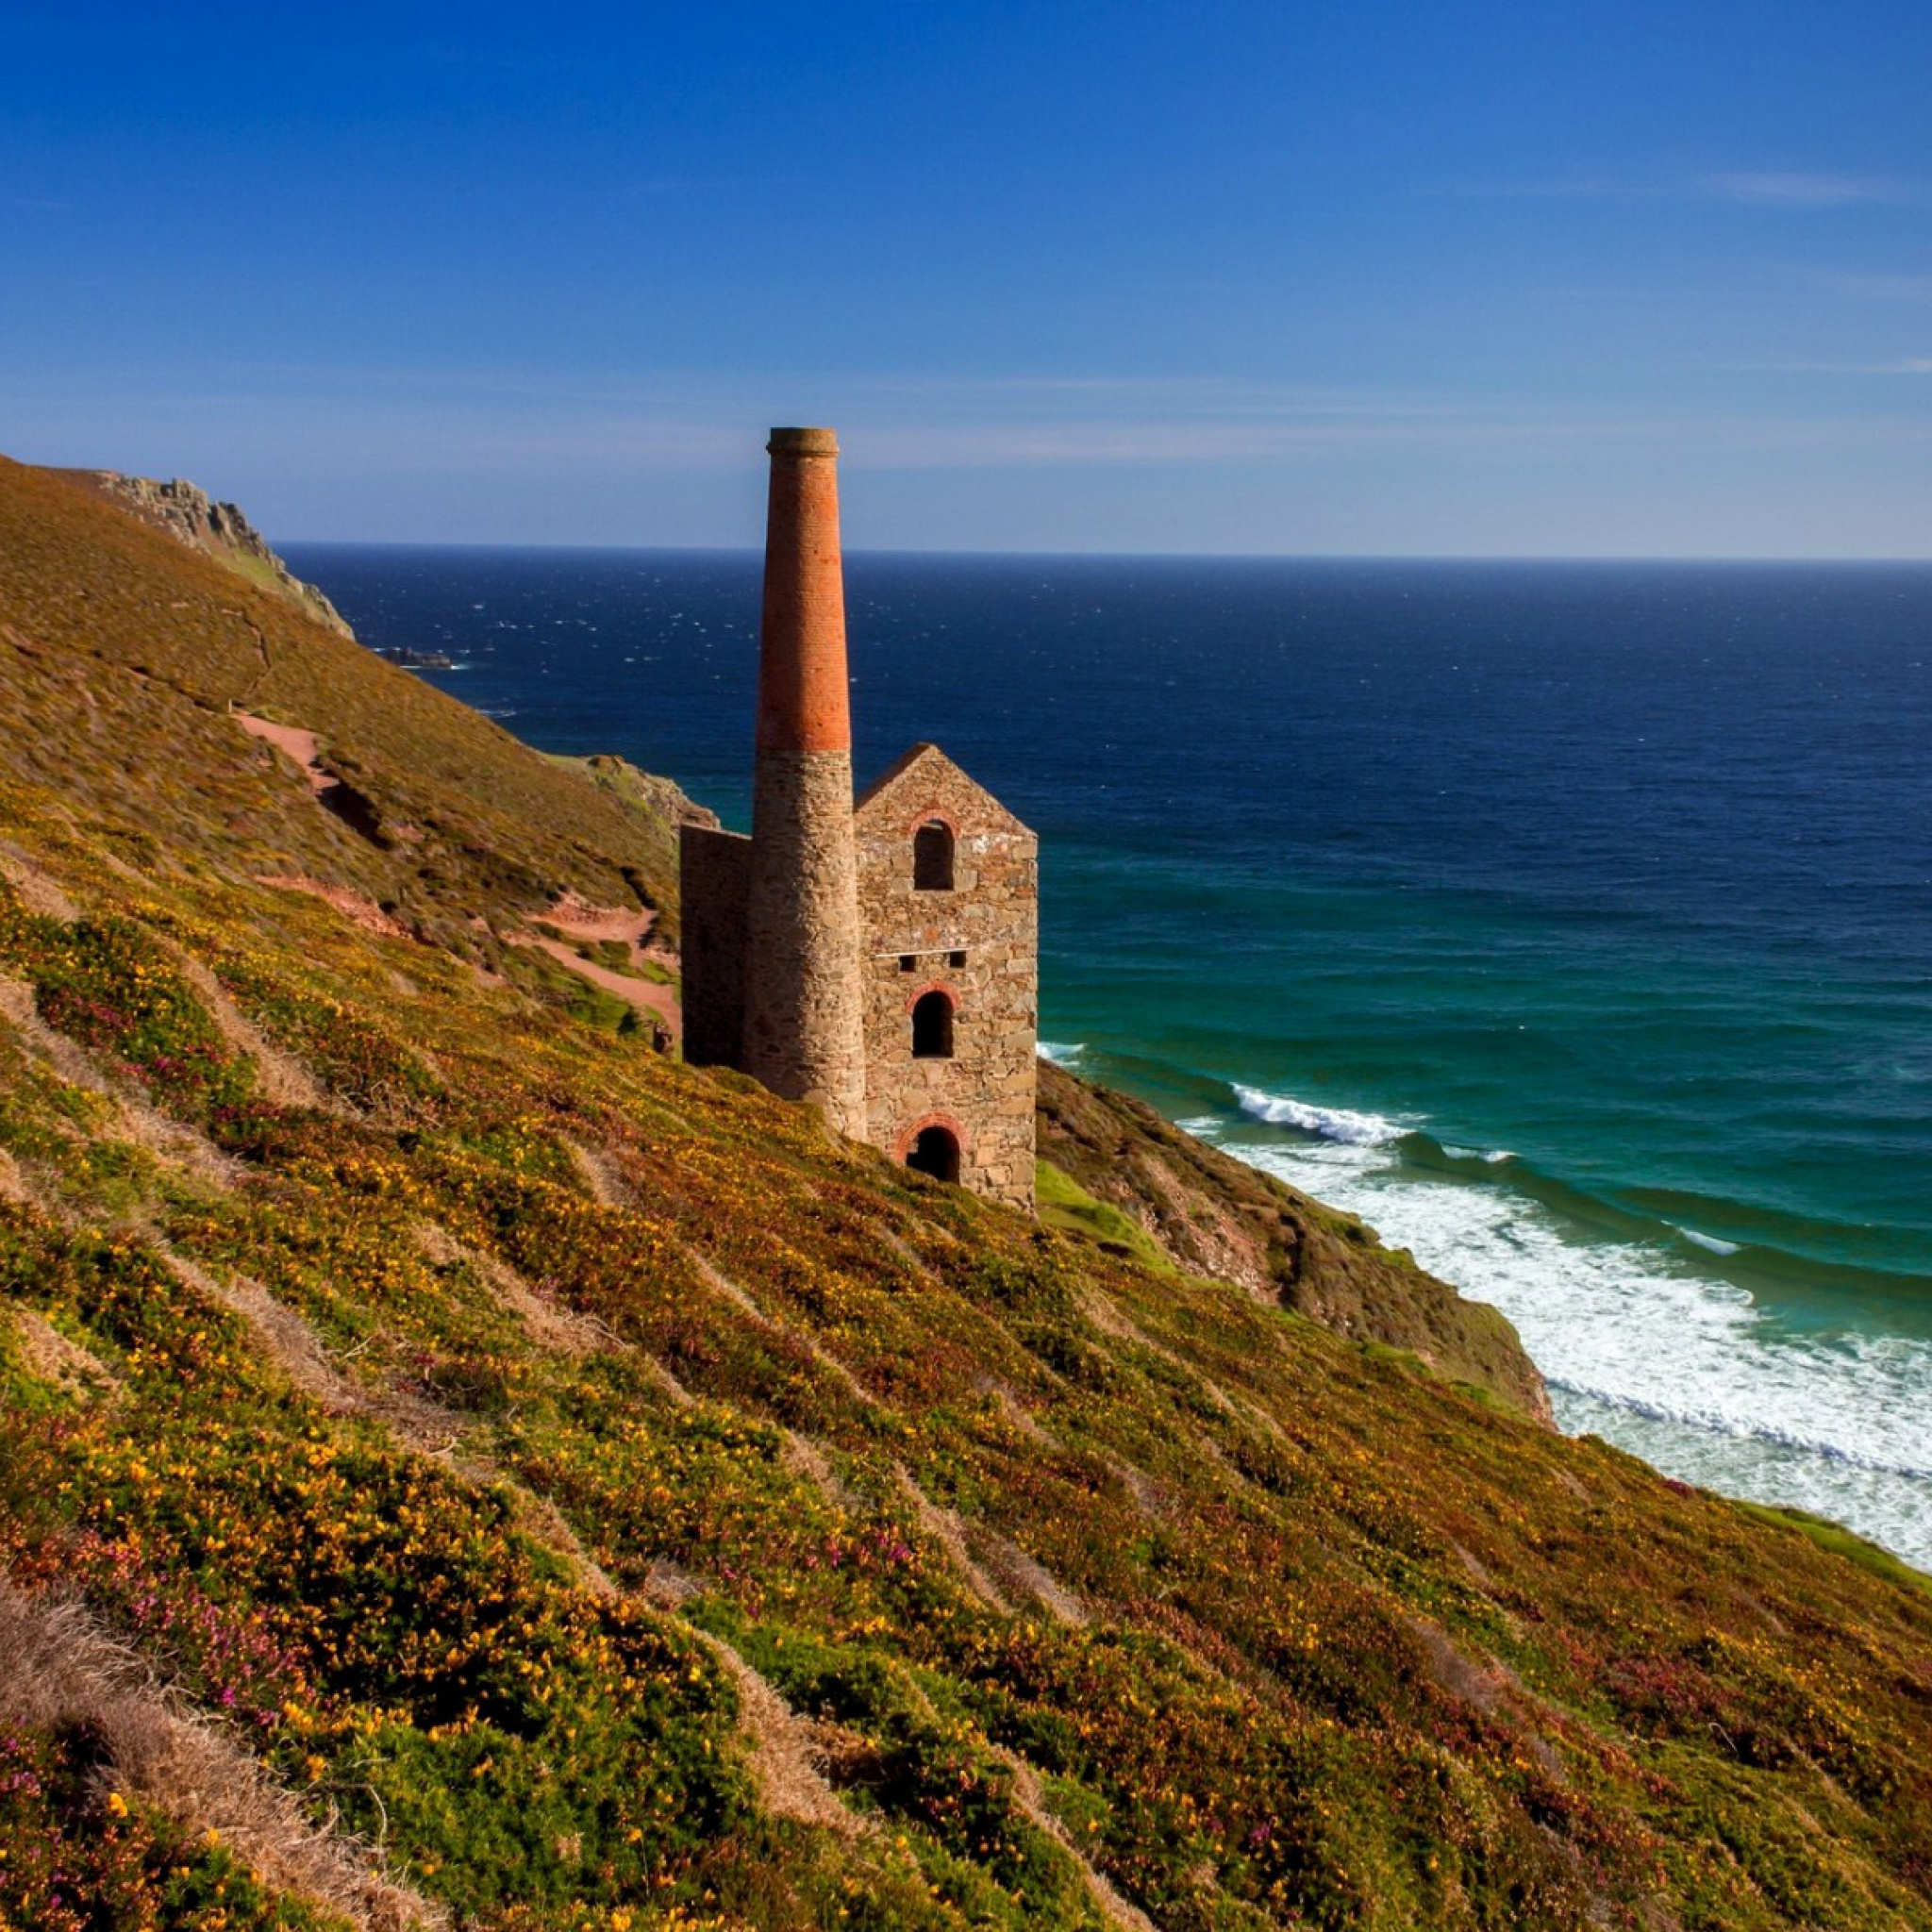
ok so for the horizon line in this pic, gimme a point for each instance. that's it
(753, 550)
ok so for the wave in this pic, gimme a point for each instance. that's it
(1764, 1250)
(1341, 1123)
(1734, 1364)
(1710, 1243)
(1060, 1052)
(1717, 1422)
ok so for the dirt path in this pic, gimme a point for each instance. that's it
(358, 909)
(583, 924)
(303, 747)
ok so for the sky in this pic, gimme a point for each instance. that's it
(1465, 277)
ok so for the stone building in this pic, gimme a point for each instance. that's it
(878, 960)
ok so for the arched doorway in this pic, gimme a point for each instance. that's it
(935, 1151)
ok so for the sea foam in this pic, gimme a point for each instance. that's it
(1330, 1123)
(1642, 1347)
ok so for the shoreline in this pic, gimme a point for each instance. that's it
(1754, 1404)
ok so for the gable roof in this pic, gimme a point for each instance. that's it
(925, 776)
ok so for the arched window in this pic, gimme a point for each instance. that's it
(935, 1151)
(932, 1026)
(932, 857)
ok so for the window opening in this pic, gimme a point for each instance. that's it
(908, 961)
(932, 1026)
(955, 958)
(932, 857)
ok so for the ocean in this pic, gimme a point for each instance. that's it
(1570, 922)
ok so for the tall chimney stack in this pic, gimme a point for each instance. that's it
(804, 1032)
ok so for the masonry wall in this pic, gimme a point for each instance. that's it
(979, 942)
(803, 1035)
(714, 877)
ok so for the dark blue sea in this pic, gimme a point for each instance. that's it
(1573, 923)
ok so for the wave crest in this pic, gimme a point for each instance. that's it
(1721, 1421)
(1331, 1123)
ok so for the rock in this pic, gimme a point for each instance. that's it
(190, 515)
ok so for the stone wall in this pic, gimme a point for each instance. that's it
(976, 943)
(714, 871)
(803, 1031)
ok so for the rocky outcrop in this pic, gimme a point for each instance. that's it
(190, 515)
(1217, 1216)
(662, 798)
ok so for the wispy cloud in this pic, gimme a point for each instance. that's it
(1561, 188)
(704, 427)
(1770, 187)
(1879, 287)
(40, 204)
(1805, 191)
(1896, 365)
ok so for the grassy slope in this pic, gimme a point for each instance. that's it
(108, 625)
(491, 1422)
(1218, 1216)
(231, 541)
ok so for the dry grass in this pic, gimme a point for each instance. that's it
(48, 1354)
(945, 1528)
(1026, 1576)
(782, 1749)
(171, 1141)
(279, 1076)
(1117, 1913)
(59, 1670)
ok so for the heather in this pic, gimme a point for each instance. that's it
(581, 1492)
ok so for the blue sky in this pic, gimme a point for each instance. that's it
(1426, 280)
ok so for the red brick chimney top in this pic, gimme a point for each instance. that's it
(803, 702)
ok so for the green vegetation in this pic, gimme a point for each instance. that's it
(582, 1477)
(1842, 1542)
(1064, 1204)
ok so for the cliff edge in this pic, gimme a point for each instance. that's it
(1214, 1215)
(220, 530)
(460, 1466)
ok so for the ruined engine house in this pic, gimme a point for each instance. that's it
(878, 959)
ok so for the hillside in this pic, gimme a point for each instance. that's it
(129, 656)
(220, 529)
(1214, 1215)
(460, 1466)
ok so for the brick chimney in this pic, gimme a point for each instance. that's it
(804, 1033)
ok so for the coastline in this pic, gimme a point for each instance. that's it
(1389, 855)
(1590, 1305)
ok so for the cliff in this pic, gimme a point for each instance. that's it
(218, 531)
(1216, 1216)
(460, 1466)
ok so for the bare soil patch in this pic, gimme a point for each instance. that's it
(357, 907)
(578, 921)
(300, 747)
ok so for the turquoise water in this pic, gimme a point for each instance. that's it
(1571, 923)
